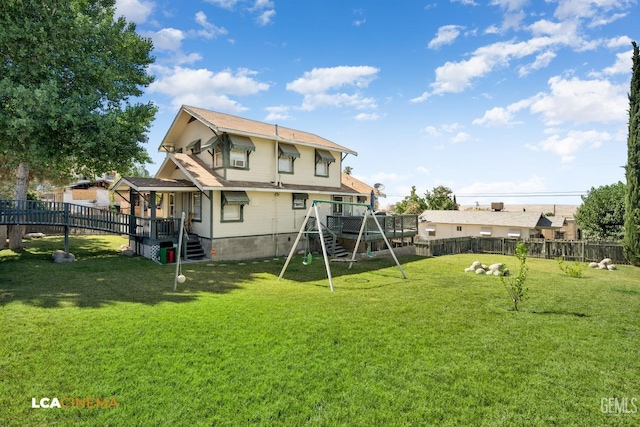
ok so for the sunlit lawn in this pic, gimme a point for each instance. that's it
(235, 346)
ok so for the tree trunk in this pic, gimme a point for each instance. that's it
(3, 236)
(17, 231)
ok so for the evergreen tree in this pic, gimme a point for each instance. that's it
(632, 200)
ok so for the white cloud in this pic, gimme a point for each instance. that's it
(622, 65)
(367, 116)
(135, 10)
(499, 116)
(581, 101)
(167, 39)
(460, 137)
(533, 184)
(571, 9)
(466, 2)
(446, 34)
(210, 31)
(422, 170)
(543, 60)
(451, 127)
(567, 147)
(510, 5)
(316, 84)
(266, 17)
(431, 131)
(278, 113)
(622, 41)
(224, 4)
(206, 88)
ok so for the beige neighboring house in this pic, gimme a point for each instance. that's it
(94, 193)
(244, 186)
(516, 225)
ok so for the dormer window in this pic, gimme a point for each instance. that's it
(286, 156)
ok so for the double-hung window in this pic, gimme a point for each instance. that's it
(323, 160)
(232, 206)
(286, 156)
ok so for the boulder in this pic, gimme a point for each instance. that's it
(602, 266)
(30, 236)
(128, 253)
(593, 265)
(480, 271)
(60, 257)
(476, 264)
(496, 266)
(611, 267)
(606, 261)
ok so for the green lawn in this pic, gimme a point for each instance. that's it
(235, 346)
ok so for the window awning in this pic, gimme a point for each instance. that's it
(242, 143)
(287, 150)
(485, 231)
(211, 143)
(431, 228)
(235, 198)
(300, 196)
(514, 233)
(324, 156)
(192, 144)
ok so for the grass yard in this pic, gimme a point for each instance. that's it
(235, 346)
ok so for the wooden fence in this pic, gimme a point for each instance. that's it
(569, 250)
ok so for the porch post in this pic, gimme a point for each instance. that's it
(152, 216)
(132, 212)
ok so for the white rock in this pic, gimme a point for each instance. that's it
(489, 273)
(476, 265)
(602, 266)
(606, 261)
(30, 236)
(480, 271)
(60, 257)
(497, 273)
(593, 265)
(612, 267)
(484, 266)
(468, 269)
(495, 267)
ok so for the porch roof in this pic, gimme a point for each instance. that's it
(152, 184)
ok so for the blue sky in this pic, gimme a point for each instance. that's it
(494, 99)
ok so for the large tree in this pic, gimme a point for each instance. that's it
(601, 214)
(68, 70)
(632, 200)
(412, 204)
(441, 198)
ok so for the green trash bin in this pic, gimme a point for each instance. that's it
(163, 255)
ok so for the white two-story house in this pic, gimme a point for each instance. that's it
(244, 186)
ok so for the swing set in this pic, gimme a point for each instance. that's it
(304, 232)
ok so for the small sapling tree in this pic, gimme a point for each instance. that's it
(515, 284)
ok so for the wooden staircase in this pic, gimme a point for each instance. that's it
(334, 249)
(194, 250)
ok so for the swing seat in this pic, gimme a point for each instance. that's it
(307, 260)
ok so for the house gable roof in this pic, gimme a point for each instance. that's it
(220, 123)
(489, 218)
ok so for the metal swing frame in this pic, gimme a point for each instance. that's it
(314, 209)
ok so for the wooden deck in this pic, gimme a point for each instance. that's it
(69, 215)
(394, 226)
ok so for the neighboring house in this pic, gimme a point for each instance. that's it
(93, 193)
(244, 186)
(516, 225)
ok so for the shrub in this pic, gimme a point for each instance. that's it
(574, 269)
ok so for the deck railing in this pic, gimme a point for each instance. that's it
(37, 212)
(394, 226)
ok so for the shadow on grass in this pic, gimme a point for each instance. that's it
(100, 276)
(561, 313)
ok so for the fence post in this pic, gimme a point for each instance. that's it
(66, 227)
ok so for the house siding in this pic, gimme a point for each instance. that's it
(445, 231)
